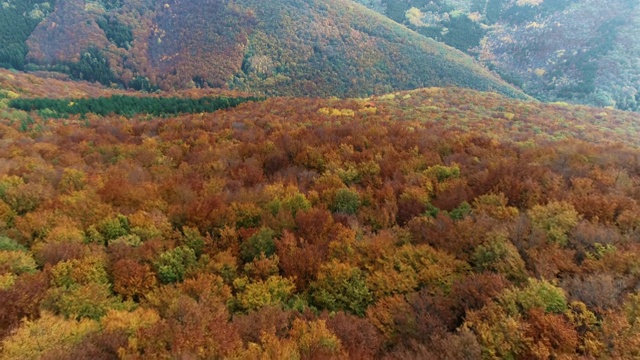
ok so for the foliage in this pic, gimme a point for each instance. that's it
(275, 48)
(447, 223)
(173, 265)
(340, 287)
(275, 291)
(537, 294)
(127, 105)
(34, 338)
(555, 219)
(17, 20)
(586, 59)
(500, 256)
(259, 243)
(346, 201)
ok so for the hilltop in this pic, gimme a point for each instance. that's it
(582, 51)
(289, 47)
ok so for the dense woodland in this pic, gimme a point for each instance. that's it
(126, 105)
(433, 224)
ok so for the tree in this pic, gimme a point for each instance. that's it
(555, 219)
(173, 265)
(259, 243)
(132, 279)
(36, 337)
(346, 201)
(275, 291)
(340, 287)
(500, 256)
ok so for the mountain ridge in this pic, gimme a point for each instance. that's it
(297, 48)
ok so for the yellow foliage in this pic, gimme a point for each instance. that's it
(368, 110)
(555, 219)
(65, 234)
(509, 116)
(17, 262)
(35, 337)
(337, 112)
(276, 290)
(80, 271)
(415, 16)
(7, 281)
(130, 322)
(271, 348)
(313, 337)
(8, 94)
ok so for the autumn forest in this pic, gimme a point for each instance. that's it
(432, 224)
(313, 179)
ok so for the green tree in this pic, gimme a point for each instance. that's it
(259, 243)
(172, 266)
(340, 286)
(555, 219)
(500, 256)
(346, 201)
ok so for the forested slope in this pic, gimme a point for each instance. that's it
(288, 47)
(432, 224)
(583, 51)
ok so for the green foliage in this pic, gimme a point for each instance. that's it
(191, 238)
(114, 228)
(173, 265)
(262, 242)
(117, 32)
(409, 268)
(78, 272)
(142, 83)
(346, 201)
(555, 219)
(340, 287)
(128, 105)
(537, 294)
(501, 256)
(17, 21)
(296, 202)
(461, 211)
(93, 67)
(90, 301)
(443, 173)
(8, 244)
(17, 262)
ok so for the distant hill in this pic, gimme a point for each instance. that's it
(288, 47)
(582, 51)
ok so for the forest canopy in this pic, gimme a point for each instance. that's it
(127, 105)
(438, 223)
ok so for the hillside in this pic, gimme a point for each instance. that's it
(440, 223)
(289, 47)
(583, 51)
